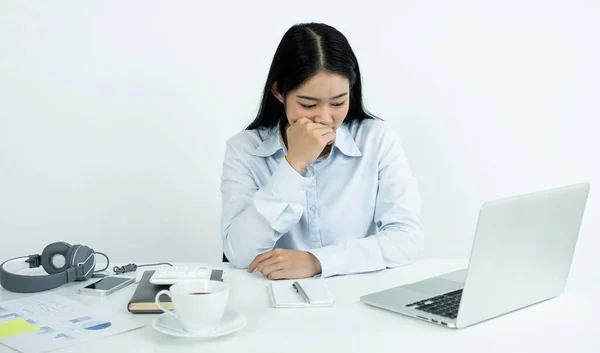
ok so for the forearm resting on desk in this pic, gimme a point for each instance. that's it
(253, 220)
(385, 249)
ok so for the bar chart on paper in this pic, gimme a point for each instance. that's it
(46, 322)
(87, 323)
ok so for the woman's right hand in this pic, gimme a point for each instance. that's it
(306, 140)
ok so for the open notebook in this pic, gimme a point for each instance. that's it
(284, 295)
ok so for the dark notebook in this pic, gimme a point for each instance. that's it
(142, 300)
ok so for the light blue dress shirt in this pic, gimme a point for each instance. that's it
(356, 209)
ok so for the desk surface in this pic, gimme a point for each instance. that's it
(563, 324)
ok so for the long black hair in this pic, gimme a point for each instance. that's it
(304, 51)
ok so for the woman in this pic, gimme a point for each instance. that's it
(316, 185)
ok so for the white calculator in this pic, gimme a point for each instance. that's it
(165, 275)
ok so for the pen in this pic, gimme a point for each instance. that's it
(299, 289)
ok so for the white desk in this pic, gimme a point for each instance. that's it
(564, 324)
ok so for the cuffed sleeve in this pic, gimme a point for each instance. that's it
(351, 256)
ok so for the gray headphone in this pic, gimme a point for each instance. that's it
(63, 262)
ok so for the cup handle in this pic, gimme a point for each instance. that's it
(157, 300)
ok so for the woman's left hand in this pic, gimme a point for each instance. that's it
(286, 264)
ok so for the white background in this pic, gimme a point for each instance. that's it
(114, 115)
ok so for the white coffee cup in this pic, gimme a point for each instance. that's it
(199, 305)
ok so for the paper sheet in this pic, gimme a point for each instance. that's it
(60, 322)
(283, 294)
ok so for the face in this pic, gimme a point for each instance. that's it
(324, 99)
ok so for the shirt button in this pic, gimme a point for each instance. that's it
(317, 245)
(313, 208)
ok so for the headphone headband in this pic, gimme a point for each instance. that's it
(80, 262)
(30, 284)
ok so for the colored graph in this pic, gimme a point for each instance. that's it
(96, 325)
(64, 336)
(80, 319)
(91, 325)
(11, 315)
(46, 330)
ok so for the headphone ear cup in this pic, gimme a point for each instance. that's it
(84, 255)
(70, 254)
(54, 257)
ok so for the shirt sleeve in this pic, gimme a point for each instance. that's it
(253, 218)
(399, 237)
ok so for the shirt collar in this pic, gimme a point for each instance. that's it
(345, 142)
(273, 142)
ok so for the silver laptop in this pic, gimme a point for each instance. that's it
(521, 255)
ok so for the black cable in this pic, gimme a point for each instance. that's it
(107, 261)
(132, 267)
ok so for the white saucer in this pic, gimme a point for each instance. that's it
(230, 323)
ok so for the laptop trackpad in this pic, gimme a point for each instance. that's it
(433, 286)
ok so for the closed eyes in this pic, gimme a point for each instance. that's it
(309, 106)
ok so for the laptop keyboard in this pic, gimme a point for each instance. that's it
(445, 305)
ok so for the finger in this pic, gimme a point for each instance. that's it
(303, 121)
(328, 137)
(323, 129)
(267, 270)
(258, 259)
(280, 274)
(270, 261)
(313, 125)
